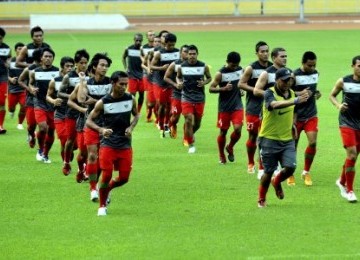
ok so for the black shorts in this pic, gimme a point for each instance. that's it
(273, 151)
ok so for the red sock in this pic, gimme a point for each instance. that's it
(350, 173)
(309, 157)
(2, 117)
(40, 135)
(234, 137)
(49, 140)
(22, 114)
(139, 107)
(262, 192)
(221, 140)
(67, 156)
(251, 148)
(92, 171)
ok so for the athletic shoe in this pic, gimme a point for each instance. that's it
(351, 197)
(343, 190)
(149, 120)
(102, 211)
(46, 159)
(173, 131)
(291, 181)
(66, 169)
(251, 168)
(222, 160)
(166, 129)
(80, 176)
(2, 131)
(185, 143)
(39, 156)
(230, 156)
(261, 203)
(260, 174)
(307, 178)
(31, 141)
(94, 195)
(192, 148)
(20, 127)
(278, 189)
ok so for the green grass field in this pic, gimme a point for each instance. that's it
(181, 206)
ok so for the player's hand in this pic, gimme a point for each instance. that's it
(317, 94)
(90, 101)
(106, 132)
(128, 132)
(228, 86)
(58, 102)
(343, 107)
(33, 90)
(200, 83)
(14, 80)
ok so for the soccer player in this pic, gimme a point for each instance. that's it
(192, 77)
(306, 78)
(66, 65)
(230, 107)
(115, 149)
(161, 61)
(170, 78)
(44, 112)
(69, 82)
(253, 103)
(25, 58)
(275, 137)
(349, 123)
(5, 56)
(17, 94)
(132, 63)
(89, 93)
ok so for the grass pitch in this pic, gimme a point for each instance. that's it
(181, 206)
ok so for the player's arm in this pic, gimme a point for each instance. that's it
(63, 86)
(124, 56)
(339, 85)
(179, 79)
(271, 103)
(50, 97)
(98, 109)
(260, 84)
(215, 83)
(32, 89)
(72, 101)
(169, 73)
(243, 82)
(207, 76)
(155, 62)
(134, 121)
(21, 59)
(22, 78)
(83, 90)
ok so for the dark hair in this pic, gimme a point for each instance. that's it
(48, 49)
(35, 29)
(192, 47)
(275, 51)
(185, 46)
(81, 54)
(97, 57)
(308, 55)
(18, 44)
(162, 32)
(233, 57)
(355, 59)
(36, 55)
(64, 60)
(118, 75)
(259, 44)
(170, 38)
(2, 32)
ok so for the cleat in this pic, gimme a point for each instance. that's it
(39, 156)
(278, 190)
(20, 127)
(261, 203)
(149, 120)
(185, 143)
(46, 159)
(2, 131)
(94, 195)
(307, 178)
(351, 197)
(260, 174)
(192, 148)
(173, 131)
(343, 190)
(66, 169)
(230, 152)
(31, 141)
(251, 169)
(80, 176)
(291, 181)
(222, 160)
(102, 211)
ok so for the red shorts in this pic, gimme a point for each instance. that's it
(44, 116)
(350, 137)
(197, 109)
(30, 116)
(120, 159)
(135, 85)
(91, 137)
(150, 94)
(70, 128)
(3, 92)
(147, 84)
(310, 125)
(162, 95)
(80, 141)
(60, 128)
(253, 123)
(16, 98)
(176, 106)
(225, 118)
